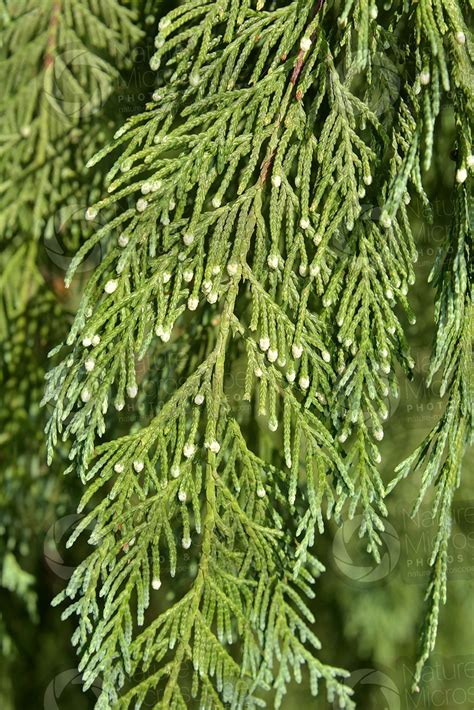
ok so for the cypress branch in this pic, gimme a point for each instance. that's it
(231, 196)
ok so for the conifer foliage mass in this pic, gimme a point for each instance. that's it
(60, 65)
(251, 303)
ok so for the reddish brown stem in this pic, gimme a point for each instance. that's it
(301, 54)
(52, 34)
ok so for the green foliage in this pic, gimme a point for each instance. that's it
(60, 60)
(440, 456)
(251, 305)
